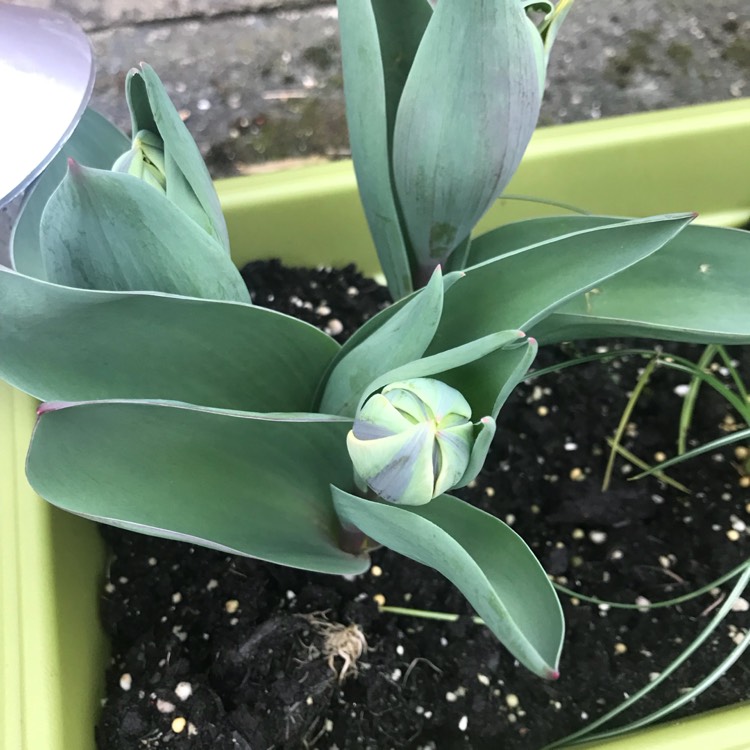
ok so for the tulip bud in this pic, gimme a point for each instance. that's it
(412, 441)
(145, 160)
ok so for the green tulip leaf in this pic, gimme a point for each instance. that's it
(189, 184)
(250, 484)
(483, 557)
(94, 143)
(484, 433)
(112, 231)
(446, 180)
(402, 338)
(365, 95)
(519, 289)
(68, 344)
(693, 289)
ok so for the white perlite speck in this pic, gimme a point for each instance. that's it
(126, 681)
(183, 690)
(463, 723)
(164, 707)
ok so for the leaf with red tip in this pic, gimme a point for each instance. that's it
(491, 565)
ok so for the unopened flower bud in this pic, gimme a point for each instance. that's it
(145, 160)
(412, 441)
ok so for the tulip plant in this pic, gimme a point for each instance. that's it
(173, 406)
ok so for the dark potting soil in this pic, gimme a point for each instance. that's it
(213, 651)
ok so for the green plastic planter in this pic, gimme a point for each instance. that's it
(52, 652)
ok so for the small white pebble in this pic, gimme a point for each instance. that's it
(653, 676)
(192, 729)
(463, 723)
(483, 679)
(598, 537)
(400, 650)
(741, 605)
(164, 707)
(451, 697)
(604, 607)
(510, 519)
(578, 534)
(212, 584)
(570, 446)
(664, 561)
(334, 327)
(290, 595)
(428, 714)
(643, 603)
(183, 690)
(512, 700)
(309, 700)
(443, 641)
(396, 675)
(126, 681)
(231, 606)
(682, 389)
(489, 491)
(323, 310)
(617, 554)
(542, 411)
(620, 648)
(376, 571)
(178, 724)
(733, 535)
(176, 597)
(152, 561)
(328, 726)
(110, 587)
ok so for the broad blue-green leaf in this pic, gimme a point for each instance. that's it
(522, 234)
(365, 94)
(253, 484)
(402, 338)
(401, 27)
(94, 143)
(483, 557)
(189, 184)
(59, 343)
(108, 230)
(694, 289)
(520, 289)
(467, 112)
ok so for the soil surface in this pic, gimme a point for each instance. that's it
(213, 651)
